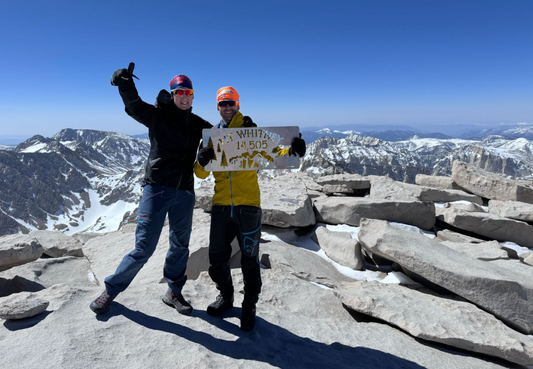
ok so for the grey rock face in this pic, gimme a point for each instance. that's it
(57, 244)
(388, 189)
(340, 247)
(490, 185)
(337, 189)
(355, 181)
(483, 251)
(512, 209)
(286, 205)
(350, 210)
(18, 249)
(441, 182)
(448, 235)
(528, 259)
(21, 305)
(488, 225)
(46, 272)
(454, 323)
(506, 294)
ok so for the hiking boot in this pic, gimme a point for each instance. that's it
(248, 317)
(178, 302)
(220, 305)
(101, 304)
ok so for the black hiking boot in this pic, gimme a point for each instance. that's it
(102, 303)
(248, 317)
(178, 302)
(219, 306)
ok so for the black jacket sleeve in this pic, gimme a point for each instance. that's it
(142, 112)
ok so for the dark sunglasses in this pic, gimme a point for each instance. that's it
(227, 103)
(183, 92)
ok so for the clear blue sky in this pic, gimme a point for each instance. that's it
(305, 63)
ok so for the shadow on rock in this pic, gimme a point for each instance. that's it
(269, 343)
(15, 325)
(18, 284)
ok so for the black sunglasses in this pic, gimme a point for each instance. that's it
(227, 103)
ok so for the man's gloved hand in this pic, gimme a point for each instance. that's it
(297, 146)
(205, 155)
(248, 122)
(123, 77)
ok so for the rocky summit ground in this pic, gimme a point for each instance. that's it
(455, 300)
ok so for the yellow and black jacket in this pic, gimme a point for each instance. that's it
(236, 187)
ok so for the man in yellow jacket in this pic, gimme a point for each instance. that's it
(236, 213)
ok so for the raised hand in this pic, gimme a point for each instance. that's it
(123, 77)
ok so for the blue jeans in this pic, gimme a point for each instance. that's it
(156, 202)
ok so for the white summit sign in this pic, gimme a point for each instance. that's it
(251, 148)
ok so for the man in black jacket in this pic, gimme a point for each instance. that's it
(168, 186)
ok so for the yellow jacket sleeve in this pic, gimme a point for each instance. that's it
(200, 171)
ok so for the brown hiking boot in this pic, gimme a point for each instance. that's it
(178, 302)
(101, 304)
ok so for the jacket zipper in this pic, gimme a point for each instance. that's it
(186, 144)
(231, 193)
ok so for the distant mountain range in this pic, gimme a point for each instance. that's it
(387, 135)
(404, 132)
(78, 180)
(387, 132)
(89, 181)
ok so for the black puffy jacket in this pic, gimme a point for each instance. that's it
(174, 138)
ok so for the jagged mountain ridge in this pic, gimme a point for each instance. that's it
(87, 180)
(72, 182)
(403, 160)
